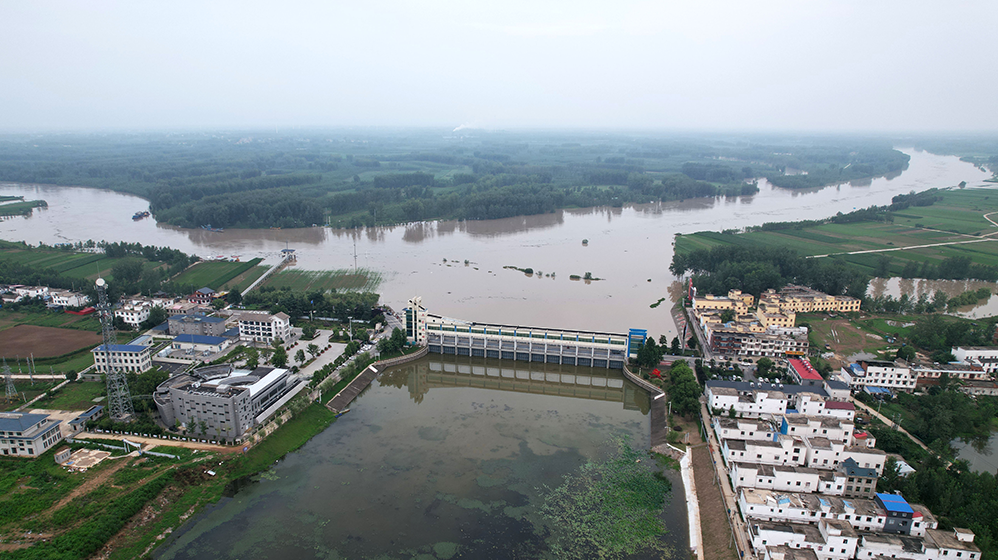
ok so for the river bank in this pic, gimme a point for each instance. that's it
(411, 257)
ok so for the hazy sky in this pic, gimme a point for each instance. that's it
(801, 65)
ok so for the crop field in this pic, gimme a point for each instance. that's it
(360, 279)
(959, 217)
(244, 280)
(85, 266)
(215, 274)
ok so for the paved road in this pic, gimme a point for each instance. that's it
(153, 442)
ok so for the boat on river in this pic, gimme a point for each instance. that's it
(139, 215)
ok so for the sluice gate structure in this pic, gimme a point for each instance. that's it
(444, 335)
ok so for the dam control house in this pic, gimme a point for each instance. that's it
(443, 335)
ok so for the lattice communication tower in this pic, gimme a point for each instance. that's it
(119, 400)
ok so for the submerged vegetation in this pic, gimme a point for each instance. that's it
(610, 508)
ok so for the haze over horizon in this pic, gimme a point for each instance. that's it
(760, 66)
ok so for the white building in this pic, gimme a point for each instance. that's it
(984, 356)
(784, 451)
(742, 428)
(831, 539)
(124, 357)
(835, 429)
(895, 376)
(935, 545)
(786, 478)
(134, 312)
(30, 291)
(860, 513)
(27, 435)
(746, 401)
(264, 327)
(69, 299)
(825, 454)
(930, 374)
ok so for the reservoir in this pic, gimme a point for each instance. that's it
(630, 247)
(446, 456)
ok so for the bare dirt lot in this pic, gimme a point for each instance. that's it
(44, 342)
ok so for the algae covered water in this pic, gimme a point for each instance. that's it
(446, 457)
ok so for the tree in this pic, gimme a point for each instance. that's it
(313, 350)
(253, 358)
(300, 356)
(663, 340)
(234, 297)
(280, 357)
(127, 271)
(676, 348)
(727, 315)
(906, 353)
(71, 375)
(649, 354)
(308, 331)
(763, 367)
(218, 303)
(157, 315)
(121, 325)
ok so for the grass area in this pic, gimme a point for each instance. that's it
(290, 436)
(215, 274)
(361, 279)
(852, 335)
(78, 395)
(25, 392)
(959, 216)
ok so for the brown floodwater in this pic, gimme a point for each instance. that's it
(629, 248)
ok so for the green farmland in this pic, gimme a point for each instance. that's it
(84, 266)
(958, 220)
(359, 280)
(222, 274)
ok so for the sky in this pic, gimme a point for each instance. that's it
(870, 66)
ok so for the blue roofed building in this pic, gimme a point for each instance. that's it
(899, 513)
(27, 435)
(134, 357)
(199, 344)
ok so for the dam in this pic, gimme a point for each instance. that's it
(444, 335)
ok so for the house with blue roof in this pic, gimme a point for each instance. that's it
(899, 513)
(199, 344)
(136, 356)
(27, 435)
